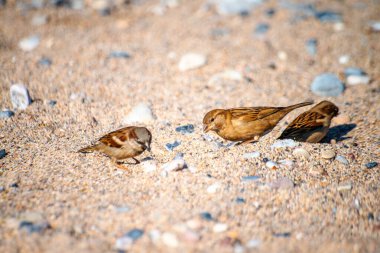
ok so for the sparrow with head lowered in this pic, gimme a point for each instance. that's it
(121, 144)
(312, 125)
(245, 124)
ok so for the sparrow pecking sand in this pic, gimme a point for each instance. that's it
(245, 124)
(121, 144)
(312, 125)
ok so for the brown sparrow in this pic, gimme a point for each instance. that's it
(124, 143)
(313, 125)
(246, 124)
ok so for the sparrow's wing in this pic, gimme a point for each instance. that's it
(117, 138)
(307, 122)
(253, 113)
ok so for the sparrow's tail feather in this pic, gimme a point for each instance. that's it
(88, 149)
(292, 107)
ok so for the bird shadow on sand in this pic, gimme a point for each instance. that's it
(338, 133)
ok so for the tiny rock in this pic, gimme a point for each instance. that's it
(30, 43)
(191, 61)
(287, 143)
(251, 155)
(371, 165)
(327, 85)
(3, 153)
(213, 188)
(355, 80)
(139, 114)
(228, 75)
(344, 59)
(327, 153)
(20, 97)
(345, 186)
(176, 164)
(233, 7)
(149, 166)
(125, 242)
(6, 114)
(271, 165)
(186, 129)
(250, 178)
(170, 240)
(220, 227)
(171, 146)
(341, 159)
(253, 243)
(300, 152)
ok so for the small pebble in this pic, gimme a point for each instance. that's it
(44, 62)
(233, 7)
(251, 155)
(375, 26)
(125, 242)
(327, 153)
(213, 188)
(29, 43)
(287, 143)
(219, 228)
(344, 59)
(370, 217)
(119, 54)
(3, 153)
(170, 240)
(356, 80)
(286, 162)
(371, 165)
(228, 75)
(2, 188)
(328, 16)
(282, 183)
(270, 12)
(240, 200)
(261, 29)
(300, 152)
(265, 159)
(285, 234)
(149, 166)
(283, 56)
(345, 186)
(341, 159)
(191, 61)
(327, 85)
(20, 97)
(206, 216)
(338, 27)
(253, 243)
(250, 178)
(171, 146)
(176, 164)
(39, 20)
(311, 46)
(155, 235)
(122, 209)
(186, 129)
(271, 165)
(141, 113)
(52, 103)
(6, 114)
(351, 71)
(31, 227)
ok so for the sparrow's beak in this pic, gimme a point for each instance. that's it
(206, 128)
(148, 147)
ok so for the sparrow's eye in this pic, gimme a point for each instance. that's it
(212, 120)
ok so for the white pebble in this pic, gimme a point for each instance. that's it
(300, 152)
(30, 43)
(155, 235)
(141, 113)
(375, 26)
(174, 165)
(344, 59)
(191, 61)
(123, 243)
(226, 75)
(287, 143)
(341, 159)
(355, 80)
(170, 240)
(213, 188)
(254, 243)
(327, 153)
(20, 97)
(251, 155)
(282, 55)
(271, 165)
(149, 166)
(286, 162)
(338, 27)
(345, 186)
(219, 227)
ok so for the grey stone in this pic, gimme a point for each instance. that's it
(6, 114)
(327, 85)
(3, 153)
(20, 97)
(29, 43)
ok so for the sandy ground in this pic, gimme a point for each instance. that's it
(82, 203)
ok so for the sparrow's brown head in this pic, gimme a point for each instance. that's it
(214, 120)
(328, 108)
(144, 137)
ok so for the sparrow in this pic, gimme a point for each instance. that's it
(121, 144)
(312, 125)
(245, 124)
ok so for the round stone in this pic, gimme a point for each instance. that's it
(327, 85)
(20, 97)
(327, 154)
(300, 152)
